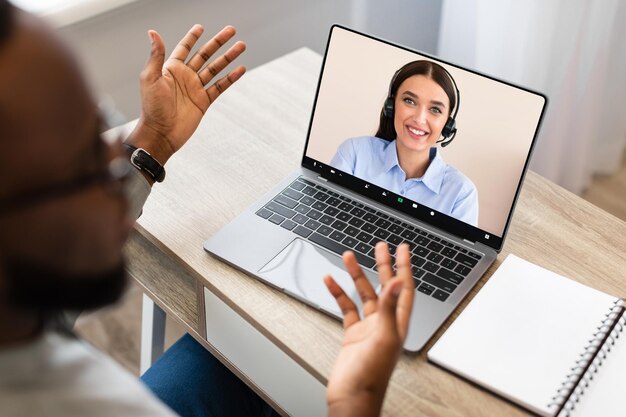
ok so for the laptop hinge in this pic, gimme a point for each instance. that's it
(469, 241)
(319, 177)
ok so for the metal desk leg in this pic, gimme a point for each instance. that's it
(152, 333)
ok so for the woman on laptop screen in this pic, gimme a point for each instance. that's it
(419, 112)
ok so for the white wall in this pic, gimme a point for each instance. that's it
(114, 46)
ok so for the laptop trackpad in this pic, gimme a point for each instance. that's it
(300, 269)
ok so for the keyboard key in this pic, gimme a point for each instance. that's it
(326, 219)
(416, 282)
(325, 230)
(302, 231)
(417, 272)
(382, 234)
(318, 205)
(304, 180)
(343, 216)
(338, 236)
(356, 222)
(350, 242)
(383, 223)
(288, 224)
(351, 231)
(420, 251)
(307, 200)
(338, 248)
(435, 257)
(422, 241)
(265, 213)
(302, 209)
(308, 190)
(370, 218)
(312, 224)
(434, 246)
(300, 219)
(293, 194)
(426, 289)
(439, 282)
(474, 255)
(321, 196)
(331, 211)
(369, 228)
(363, 248)
(357, 212)
(396, 229)
(450, 276)
(314, 214)
(344, 206)
(462, 269)
(339, 225)
(440, 295)
(333, 201)
(431, 267)
(408, 235)
(277, 219)
(395, 239)
(449, 263)
(296, 185)
(449, 252)
(466, 260)
(364, 237)
(282, 210)
(417, 261)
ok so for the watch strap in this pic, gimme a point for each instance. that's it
(143, 161)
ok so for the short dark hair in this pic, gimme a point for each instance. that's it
(6, 20)
(436, 72)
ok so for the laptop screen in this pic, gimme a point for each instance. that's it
(443, 144)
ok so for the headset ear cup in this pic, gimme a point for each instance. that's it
(388, 108)
(449, 129)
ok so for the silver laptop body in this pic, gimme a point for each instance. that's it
(294, 259)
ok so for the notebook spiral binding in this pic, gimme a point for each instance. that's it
(575, 383)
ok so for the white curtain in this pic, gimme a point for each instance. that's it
(574, 51)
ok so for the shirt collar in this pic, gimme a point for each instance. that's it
(433, 178)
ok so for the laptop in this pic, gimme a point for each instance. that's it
(401, 147)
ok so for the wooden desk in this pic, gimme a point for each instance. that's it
(251, 138)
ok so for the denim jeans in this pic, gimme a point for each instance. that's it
(193, 383)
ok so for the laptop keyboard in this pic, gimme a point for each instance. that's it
(339, 223)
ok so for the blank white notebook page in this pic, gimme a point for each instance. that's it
(604, 396)
(522, 333)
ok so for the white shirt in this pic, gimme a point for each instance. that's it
(57, 375)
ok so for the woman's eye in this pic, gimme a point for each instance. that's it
(436, 110)
(409, 101)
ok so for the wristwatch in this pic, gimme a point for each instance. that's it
(143, 161)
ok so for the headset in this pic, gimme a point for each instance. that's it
(449, 130)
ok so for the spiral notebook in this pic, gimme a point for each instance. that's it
(541, 340)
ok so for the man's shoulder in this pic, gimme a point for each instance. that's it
(61, 375)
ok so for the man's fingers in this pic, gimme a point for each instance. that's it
(348, 309)
(220, 63)
(207, 50)
(388, 302)
(222, 84)
(405, 301)
(362, 284)
(153, 69)
(383, 262)
(181, 52)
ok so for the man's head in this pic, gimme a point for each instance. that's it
(62, 222)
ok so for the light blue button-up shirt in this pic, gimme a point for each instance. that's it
(443, 187)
